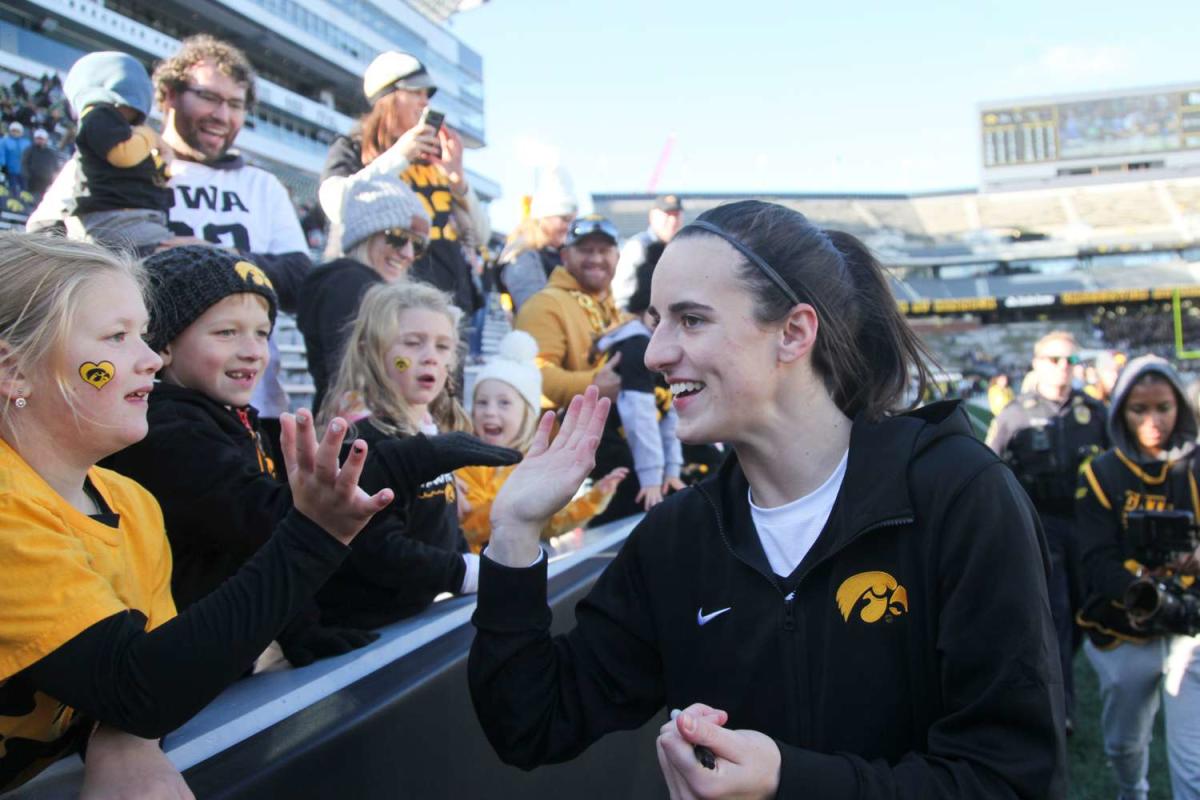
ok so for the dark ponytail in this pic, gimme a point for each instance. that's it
(865, 352)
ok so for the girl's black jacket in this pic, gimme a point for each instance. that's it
(911, 653)
(406, 555)
(221, 488)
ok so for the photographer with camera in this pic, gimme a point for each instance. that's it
(1045, 435)
(1137, 506)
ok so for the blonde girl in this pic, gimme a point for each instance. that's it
(394, 385)
(88, 628)
(504, 411)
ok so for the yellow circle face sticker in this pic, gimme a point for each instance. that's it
(402, 364)
(97, 374)
(1083, 414)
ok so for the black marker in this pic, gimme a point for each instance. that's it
(706, 757)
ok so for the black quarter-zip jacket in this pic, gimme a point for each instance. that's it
(911, 654)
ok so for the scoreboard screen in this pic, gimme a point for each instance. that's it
(1120, 125)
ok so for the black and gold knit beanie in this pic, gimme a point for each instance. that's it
(187, 281)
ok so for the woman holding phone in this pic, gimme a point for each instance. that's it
(401, 136)
(853, 606)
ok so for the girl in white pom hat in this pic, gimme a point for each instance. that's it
(504, 410)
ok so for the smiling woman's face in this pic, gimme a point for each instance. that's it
(721, 363)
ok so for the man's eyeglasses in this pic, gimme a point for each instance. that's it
(398, 237)
(236, 105)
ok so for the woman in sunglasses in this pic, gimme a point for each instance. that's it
(853, 606)
(386, 229)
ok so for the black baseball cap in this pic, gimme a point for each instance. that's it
(591, 225)
(668, 202)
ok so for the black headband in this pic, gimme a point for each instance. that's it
(753, 257)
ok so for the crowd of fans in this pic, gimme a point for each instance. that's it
(154, 423)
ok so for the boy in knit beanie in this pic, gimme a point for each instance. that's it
(221, 487)
(121, 196)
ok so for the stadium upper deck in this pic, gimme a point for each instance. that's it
(310, 55)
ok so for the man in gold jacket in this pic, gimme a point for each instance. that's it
(573, 310)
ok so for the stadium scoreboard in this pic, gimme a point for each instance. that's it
(1137, 123)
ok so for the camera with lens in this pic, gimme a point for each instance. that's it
(1162, 604)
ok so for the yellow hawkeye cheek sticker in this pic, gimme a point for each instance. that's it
(97, 374)
(402, 364)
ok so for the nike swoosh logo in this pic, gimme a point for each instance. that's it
(703, 619)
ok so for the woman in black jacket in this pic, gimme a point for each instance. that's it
(854, 606)
(385, 230)
(1151, 469)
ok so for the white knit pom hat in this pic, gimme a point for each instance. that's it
(515, 364)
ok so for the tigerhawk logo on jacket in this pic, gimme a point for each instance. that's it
(876, 596)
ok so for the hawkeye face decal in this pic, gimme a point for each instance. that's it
(401, 364)
(97, 374)
(874, 596)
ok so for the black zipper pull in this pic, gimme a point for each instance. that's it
(789, 616)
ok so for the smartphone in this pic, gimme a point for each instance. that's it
(432, 118)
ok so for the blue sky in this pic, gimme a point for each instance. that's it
(768, 95)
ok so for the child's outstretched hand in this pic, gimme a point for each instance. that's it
(609, 483)
(672, 485)
(546, 479)
(324, 492)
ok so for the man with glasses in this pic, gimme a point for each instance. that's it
(573, 311)
(204, 92)
(1046, 435)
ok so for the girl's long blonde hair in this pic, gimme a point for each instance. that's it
(363, 376)
(46, 279)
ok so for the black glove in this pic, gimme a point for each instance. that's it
(411, 461)
(305, 646)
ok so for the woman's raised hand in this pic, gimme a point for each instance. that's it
(322, 490)
(546, 479)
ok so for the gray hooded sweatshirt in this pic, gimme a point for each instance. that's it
(1183, 438)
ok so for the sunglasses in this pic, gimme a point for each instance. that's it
(1072, 360)
(398, 237)
(586, 226)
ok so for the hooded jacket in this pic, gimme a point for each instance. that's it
(221, 489)
(1121, 480)
(111, 78)
(407, 554)
(910, 654)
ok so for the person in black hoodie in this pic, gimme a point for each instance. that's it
(385, 229)
(855, 606)
(1151, 468)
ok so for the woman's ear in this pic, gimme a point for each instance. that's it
(799, 333)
